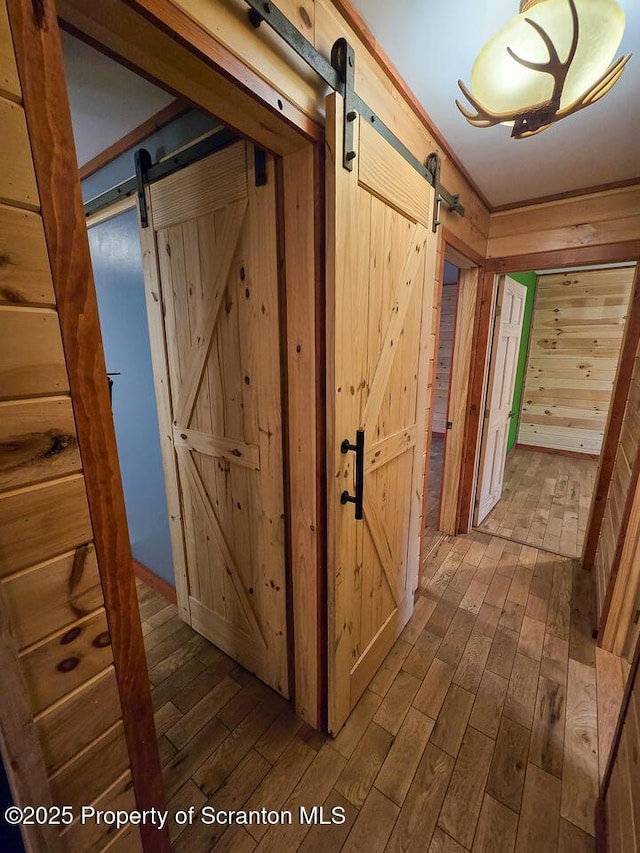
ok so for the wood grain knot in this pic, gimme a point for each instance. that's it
(102, 640)
(304, 17)
(10, 294)
(70, 636)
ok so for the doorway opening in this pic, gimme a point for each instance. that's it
(555, 348)
(445, 336)
(191, 311)
(457, 286)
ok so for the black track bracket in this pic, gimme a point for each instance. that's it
(343, 59)
(339, 75)
(142, 160)
(433, 165)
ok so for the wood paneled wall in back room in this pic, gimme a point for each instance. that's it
(51, 599)
(444, 357)
(577, 329)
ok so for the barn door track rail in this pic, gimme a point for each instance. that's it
(147, 172)
(339, 75)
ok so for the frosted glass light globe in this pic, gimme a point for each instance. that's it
(503, 85)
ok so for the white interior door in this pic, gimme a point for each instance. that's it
(504, 359)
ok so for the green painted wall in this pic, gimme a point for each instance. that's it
(529, 280)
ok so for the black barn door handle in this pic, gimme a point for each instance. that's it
(358, 447)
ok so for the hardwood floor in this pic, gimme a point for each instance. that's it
(432, 536)
(436, 461)
(478, 733)
(545, 501)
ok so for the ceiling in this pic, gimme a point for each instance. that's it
(107, 100)
(433, 44)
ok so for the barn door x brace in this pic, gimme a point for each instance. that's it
(339, 74)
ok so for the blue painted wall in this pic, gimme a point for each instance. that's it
(117, 267)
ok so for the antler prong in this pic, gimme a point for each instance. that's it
(554, 59)
(600, 88)
(602, 84)
(483, 117)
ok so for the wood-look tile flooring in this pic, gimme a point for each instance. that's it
(478, 733)
(545, 501)
(436, 462)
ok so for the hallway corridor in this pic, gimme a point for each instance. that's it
(480, 732)
(545, 500)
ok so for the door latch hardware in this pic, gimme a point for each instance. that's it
(449, 424)
(358, 448)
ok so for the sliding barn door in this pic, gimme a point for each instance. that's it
(380, 250)
(212, 242)
(504, 361)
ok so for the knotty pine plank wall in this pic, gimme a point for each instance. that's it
(623, 484)
(49, 580)
(622, 795)
(578, 322)
(444, 356)
(583, 223)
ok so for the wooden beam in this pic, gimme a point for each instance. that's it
(615, 418)
(161, 43)
(608, 253)
(40, 66)
(459, 253)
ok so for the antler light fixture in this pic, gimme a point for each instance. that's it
(548, 62)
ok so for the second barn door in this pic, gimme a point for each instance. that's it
(380, 252)
(213, 234)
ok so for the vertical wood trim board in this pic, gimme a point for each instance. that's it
(620, 791)
(444, 356)
(482, 330)
(577, 329)
(458, 393)
(77, 645)
(300, 219)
